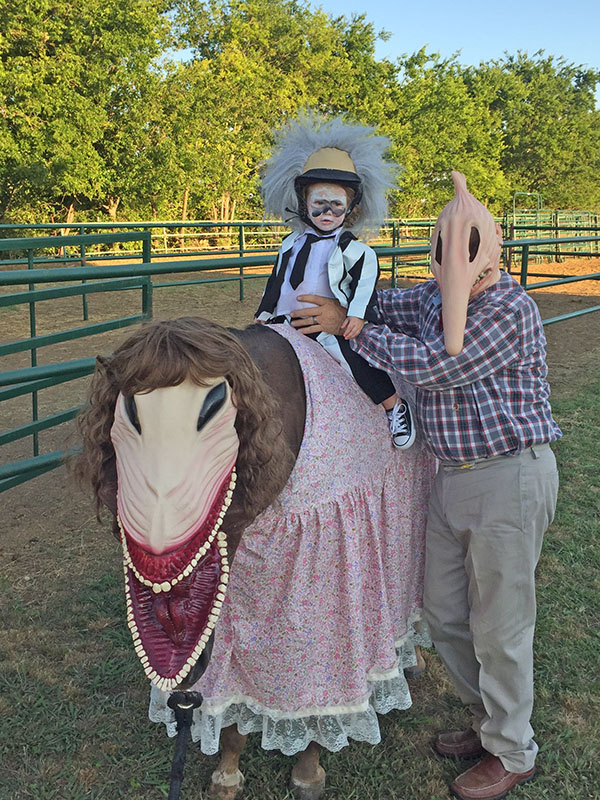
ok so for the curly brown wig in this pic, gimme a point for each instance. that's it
(163, 354)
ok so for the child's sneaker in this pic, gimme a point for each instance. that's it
(402, 426)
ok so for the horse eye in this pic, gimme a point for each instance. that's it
(474, 240)
(131, 409)
(213, 402)
(438, 250)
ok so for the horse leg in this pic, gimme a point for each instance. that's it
(227, 780)
(419, 667)
(308, 776)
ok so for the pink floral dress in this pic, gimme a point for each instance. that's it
(326, 583)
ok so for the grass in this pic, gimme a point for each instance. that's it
(73, 700)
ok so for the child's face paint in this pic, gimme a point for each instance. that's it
(327, 204)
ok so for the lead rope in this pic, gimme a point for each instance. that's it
(183, 704)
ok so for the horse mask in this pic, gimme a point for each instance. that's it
(175, 450)
(465, 258)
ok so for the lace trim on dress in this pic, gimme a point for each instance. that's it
(331, 727)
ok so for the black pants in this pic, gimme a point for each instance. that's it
(374, 382)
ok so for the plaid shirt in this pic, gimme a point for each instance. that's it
(492, 398)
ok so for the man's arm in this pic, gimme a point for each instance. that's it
(399, 308)
(492, 342)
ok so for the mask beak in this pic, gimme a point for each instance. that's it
(455, 300)
(465, 259)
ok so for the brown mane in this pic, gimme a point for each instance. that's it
(163, 354)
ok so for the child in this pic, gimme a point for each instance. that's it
(323, 256)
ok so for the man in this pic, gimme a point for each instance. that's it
(472, 343)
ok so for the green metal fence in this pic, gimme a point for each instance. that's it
(32, 379)
(197, 239)
(69, 281)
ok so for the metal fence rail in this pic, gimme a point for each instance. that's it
(31, 380)
(399, 260)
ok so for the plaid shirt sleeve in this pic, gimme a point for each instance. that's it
(492, 341)
(399, 309)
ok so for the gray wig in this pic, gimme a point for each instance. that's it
(300, 138)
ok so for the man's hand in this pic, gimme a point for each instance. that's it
(327, 315)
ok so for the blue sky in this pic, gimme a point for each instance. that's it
(482, 31)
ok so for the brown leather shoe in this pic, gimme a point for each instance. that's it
(488, 780)
(459, 744)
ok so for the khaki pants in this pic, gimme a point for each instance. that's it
(484, 536)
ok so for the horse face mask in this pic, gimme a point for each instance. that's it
(175, 451)
(465, 258)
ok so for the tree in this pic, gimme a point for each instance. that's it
(255, 62)
(439, 125)
(550, 128)
(73, 78)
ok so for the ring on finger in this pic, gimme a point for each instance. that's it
(315, 322)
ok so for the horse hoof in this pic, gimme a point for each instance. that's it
(226, 785)
(305, 790)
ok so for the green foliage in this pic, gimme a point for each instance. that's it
(238, 86)
(98, 115)
(73, 76)
(440, 125)
(545, 111)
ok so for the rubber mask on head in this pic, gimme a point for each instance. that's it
(465, 258)
(175, 450)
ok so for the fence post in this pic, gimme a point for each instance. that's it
(241, 246)
(395, 239)
(33, 355)
(556, 232)
(84, 303)
(524, 265)
(147, 297)
(146, 247)
(241, 239)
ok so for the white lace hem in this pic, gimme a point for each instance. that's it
(291, 733)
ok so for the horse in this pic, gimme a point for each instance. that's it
(266, 523)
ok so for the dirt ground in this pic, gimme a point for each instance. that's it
(49, 509)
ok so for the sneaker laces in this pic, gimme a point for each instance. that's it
(398, 420)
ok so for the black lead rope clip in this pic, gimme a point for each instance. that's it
(183, 704)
